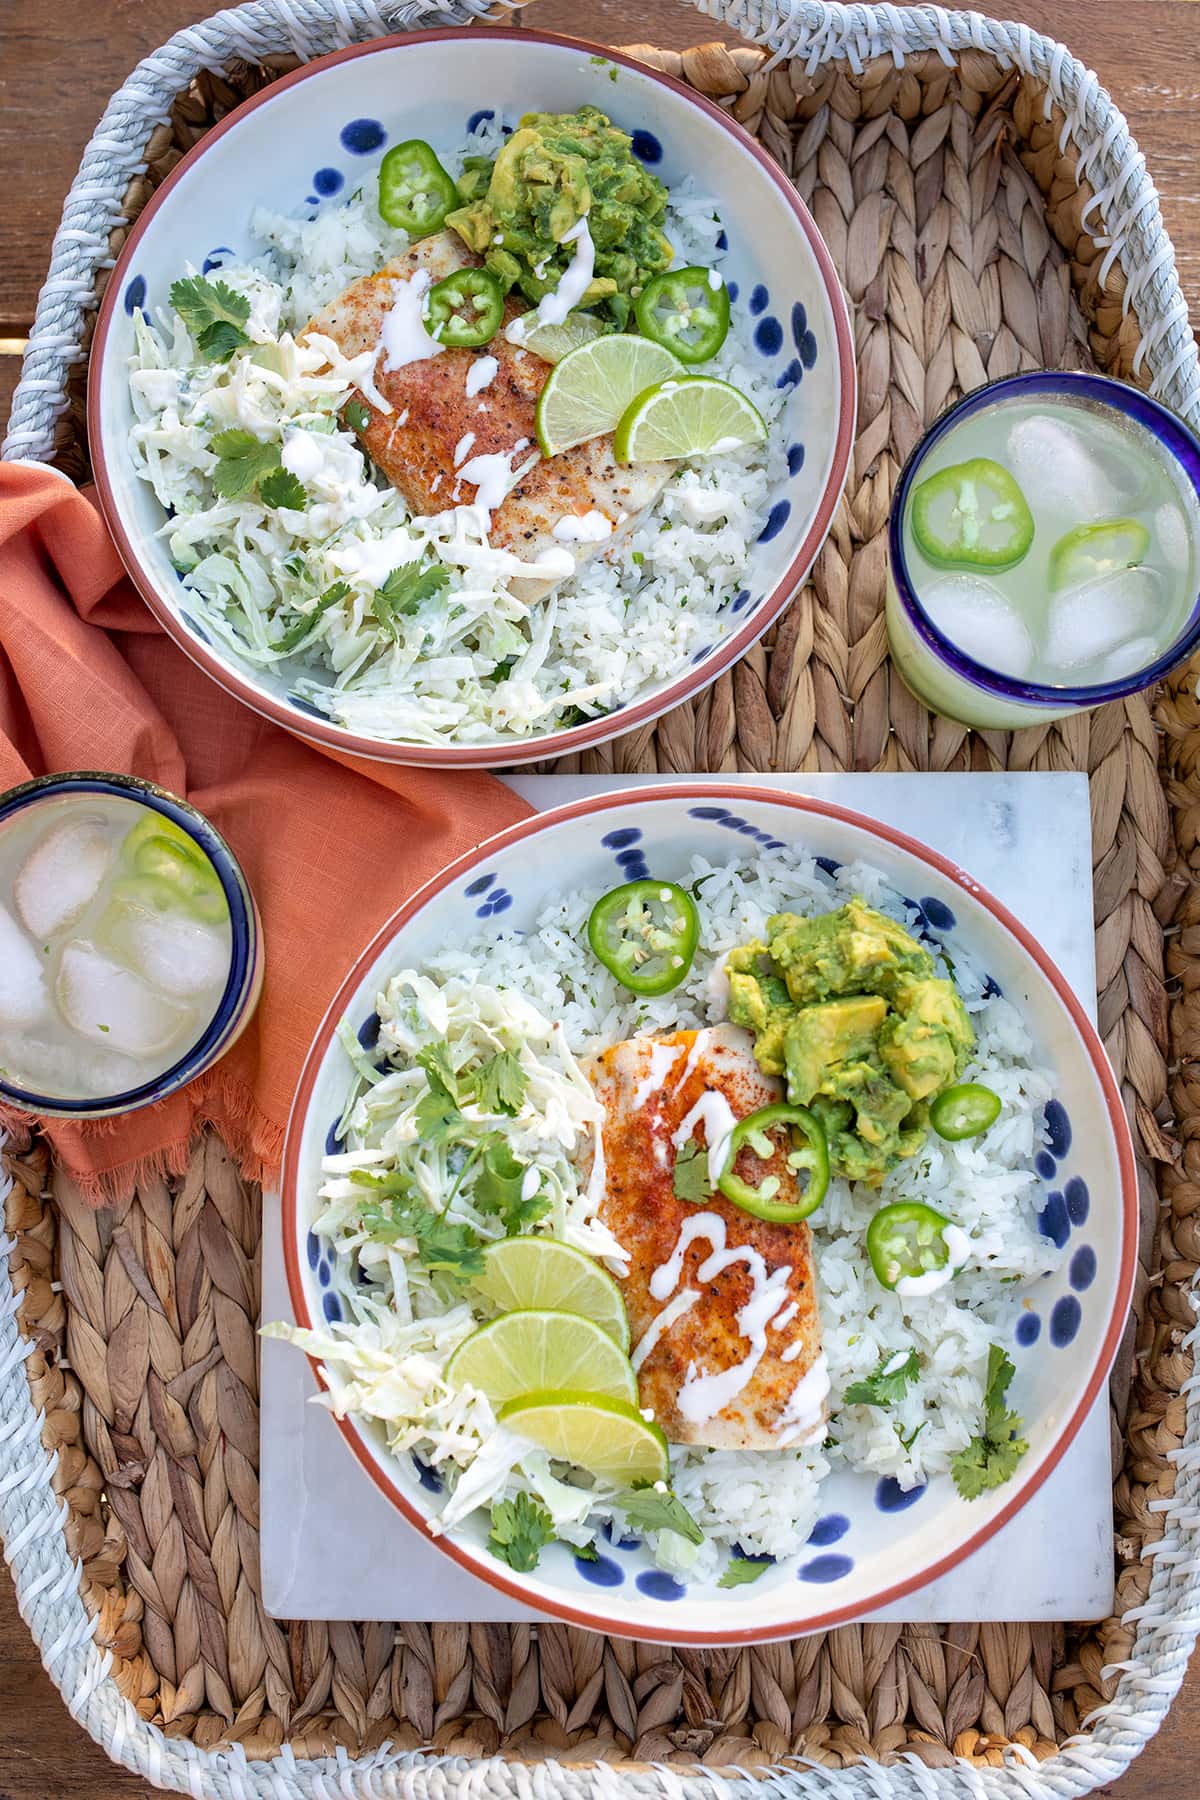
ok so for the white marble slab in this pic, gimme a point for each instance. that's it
(332, 1547)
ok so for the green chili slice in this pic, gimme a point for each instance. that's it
(465, 310)
(971, 516)
(963, 1111)
(906, 1240)
(415, 192)
(686, 311)
(645, 933)
(809, 1150)
(1094, 550)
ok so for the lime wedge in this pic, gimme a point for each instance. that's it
(588, 391)
(553, 342)
(608, 1438)
(521, 1352)
(1094, 550)
(688, 415)
(540, 1272)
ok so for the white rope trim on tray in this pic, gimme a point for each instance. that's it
(32, 1520)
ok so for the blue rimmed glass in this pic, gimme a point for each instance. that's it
(943, 676)
(243, 984)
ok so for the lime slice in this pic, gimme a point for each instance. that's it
(540, 1272)
(689, 415)
(553, 342)
(1094, 550)
(521, 1352)
(608, 1438)
(588, 391)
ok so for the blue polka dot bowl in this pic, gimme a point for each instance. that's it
(872, 1543)
(314, 137)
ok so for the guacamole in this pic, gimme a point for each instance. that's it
(848, 1008)
(553, 170)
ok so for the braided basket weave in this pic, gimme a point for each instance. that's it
(988, 213)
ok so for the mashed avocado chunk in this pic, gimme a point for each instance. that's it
(555, 169)
(848, 1008)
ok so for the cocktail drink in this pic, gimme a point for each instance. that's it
(1044, 550)
(129, 948)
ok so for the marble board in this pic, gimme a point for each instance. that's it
(333, 1548)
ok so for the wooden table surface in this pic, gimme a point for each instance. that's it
(59, 61)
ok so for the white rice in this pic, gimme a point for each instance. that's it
(768, 1502)
(634, 617)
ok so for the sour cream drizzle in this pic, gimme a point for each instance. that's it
(402, 336)
(713, 1111)
(663, 1321)
(574, 282)
(802, 1420)
(663, 1058)
(588, 528)
(703, 1396)
(916, 1287)
(481, 374)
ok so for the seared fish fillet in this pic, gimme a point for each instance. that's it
(722, 1306)
(415, 444)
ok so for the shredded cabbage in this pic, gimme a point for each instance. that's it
(384, 1360)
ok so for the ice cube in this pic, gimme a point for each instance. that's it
(111, 1006)
(1170, 533)
(1128, 658)
(173, 952)
(61, 875)
(1086, 622)
(63, 1072)
(1049, 457)
(975, 615)
(22, 984)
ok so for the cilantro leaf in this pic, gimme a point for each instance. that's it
(886, 1385)
(357, 416)
(296, 633)
(402, 593)
(440, 1071)
(690, 1181)
(991, 1457)
(646, 1509)
(501, 1084)
(744, 1569)
(399, 1212)
(282, 488)
(585, 1552)
(244, 460)
(441, 1243)
(500, 1187)
(521, 1528)
(907, 1442)
(213, 313)
(439, 1116)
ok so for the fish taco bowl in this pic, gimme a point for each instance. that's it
(478, 433)
(721, 1240)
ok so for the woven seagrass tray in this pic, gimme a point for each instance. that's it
(946, 190)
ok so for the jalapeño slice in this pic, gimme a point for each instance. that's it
(1094, 550)
(645, 933)
(465, 310)
(686, 311)
(906, 1239)
(972, 516)
(808, 1150)
(415, 192)
(963, 1111)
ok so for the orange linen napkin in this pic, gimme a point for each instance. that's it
(330, 845)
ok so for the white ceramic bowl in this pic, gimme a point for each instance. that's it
(324, 130)
(872, 1544)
